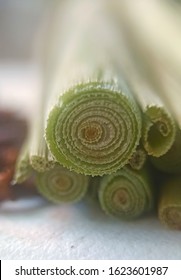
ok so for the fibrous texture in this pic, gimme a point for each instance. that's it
(62, 185)
(158, 131)
(23, 169)
(95, 131)
(169, 205)
(93, 123)
(138, 159)
(171, 161)
(126, 194)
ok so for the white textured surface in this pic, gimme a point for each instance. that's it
(80, 231)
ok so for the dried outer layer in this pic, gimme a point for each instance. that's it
(171, 161)
(169, 205)
(62, 185)
(126, 194)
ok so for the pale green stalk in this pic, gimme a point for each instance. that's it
(127, 194)
(39, 156)
(23, 169)
(138, 159)
(93, 124)
(169, 204)
(62, 185)
(159, 128)
(159, 37)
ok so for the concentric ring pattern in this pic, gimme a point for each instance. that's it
(61, 185)
(125, 194)
(94, 129)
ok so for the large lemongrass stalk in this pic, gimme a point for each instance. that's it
(169, 205)
(126, 194)
(93, 122)
(62, 185)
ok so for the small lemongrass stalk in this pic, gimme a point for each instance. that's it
(126, 194)
(93, 124)
(171, 161)
(168, 89)
(92, 193)
(39, 155)
(159, 127)
(62, 185)
(169, 204)
(138, 159)
(23, 168)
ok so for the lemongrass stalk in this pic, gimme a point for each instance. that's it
(159, 127)
(39, 155)
(138, 159)
(170, 91)
(171, 161)
(126, 194)
(92, 193)
(93, 122)
(23, 169)
(169, 204)
(62, 185)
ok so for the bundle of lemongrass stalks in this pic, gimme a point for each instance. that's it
(107, 114)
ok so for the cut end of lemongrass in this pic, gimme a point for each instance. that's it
(138, 159)
(171, 161)
(159, 131)
(169, 205)
(41, 164)
(23, 171)
(62, 185)
(97, 129)
(171, 217)
(126, 194)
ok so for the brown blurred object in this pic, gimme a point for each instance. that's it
(13, 131)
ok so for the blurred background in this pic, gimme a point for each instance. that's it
(19, 24)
